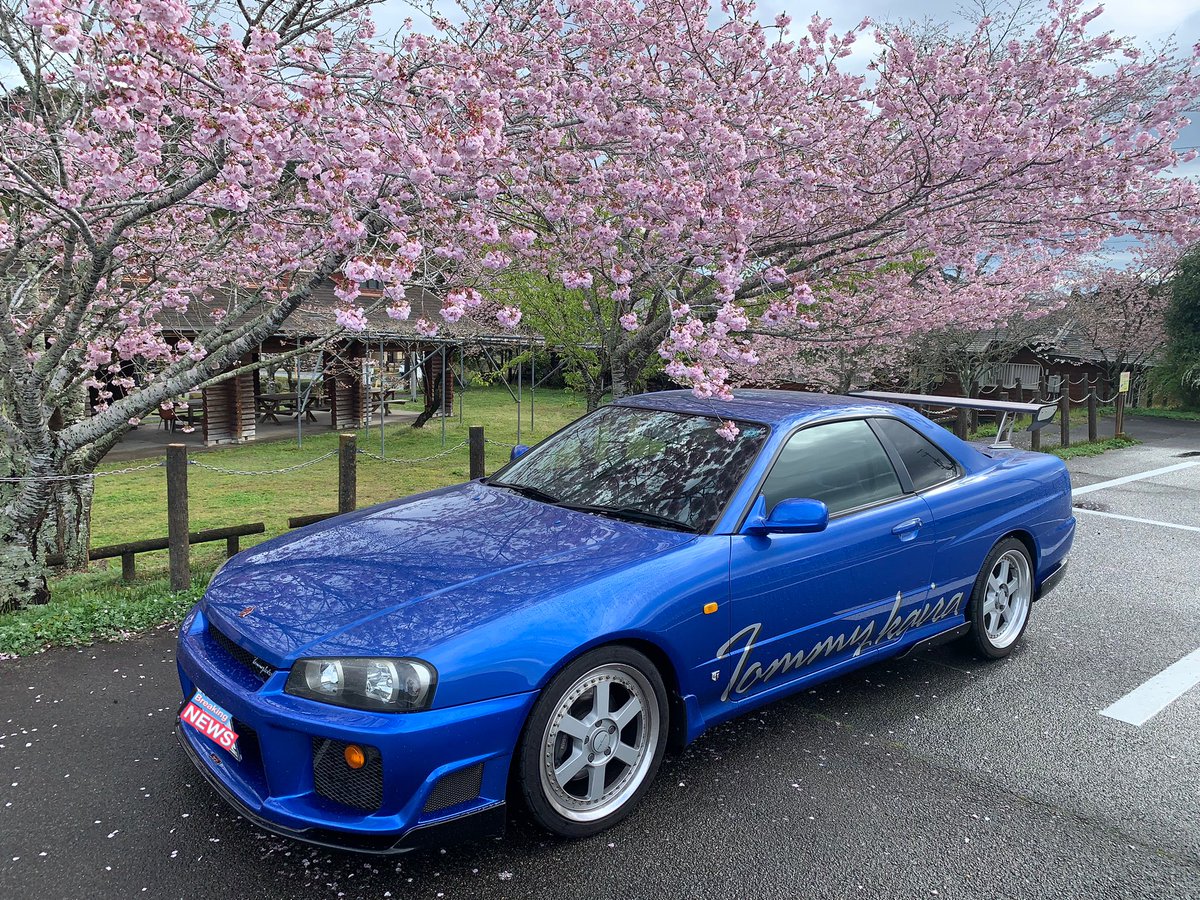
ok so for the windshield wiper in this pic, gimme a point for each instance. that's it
(525, 491)
(629, 513)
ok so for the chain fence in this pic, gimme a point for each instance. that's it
(21, 479)
(221, 470)
(245, 473)
(413, 459)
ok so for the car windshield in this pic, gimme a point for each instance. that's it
(660, 468)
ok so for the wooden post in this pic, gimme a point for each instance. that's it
(475, 438)
(347, 473)
(177, 517)
(1093, 413)
(1035, 440)
(232, 546)
(960, 423)
(1120, 426)
(128, 567)
(1064, 415)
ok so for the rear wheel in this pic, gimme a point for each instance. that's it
(1001, 600)
(594, 742)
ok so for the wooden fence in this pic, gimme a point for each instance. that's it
(179, 538)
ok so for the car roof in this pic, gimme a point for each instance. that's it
(769, 407)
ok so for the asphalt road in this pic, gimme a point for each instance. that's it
(937, 776)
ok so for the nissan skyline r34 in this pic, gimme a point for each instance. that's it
(391, 678)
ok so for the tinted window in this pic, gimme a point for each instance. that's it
(926, 464)
(624, 461)
(842, 464)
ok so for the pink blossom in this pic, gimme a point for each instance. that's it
(509, 317)
(521, 238)
(576, 280)
(353, 319)
(629, 321)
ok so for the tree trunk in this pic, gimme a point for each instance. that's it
(594, 394)
(67, 529)
(22, 577)
(37, 526)
(620, 379)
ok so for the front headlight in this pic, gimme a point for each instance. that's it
(380, 685)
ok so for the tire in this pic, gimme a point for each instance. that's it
(1001, 599)
(594, 742)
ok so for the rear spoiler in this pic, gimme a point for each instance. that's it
(1042, 413)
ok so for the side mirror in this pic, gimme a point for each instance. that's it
(788, 517)
(519, 450)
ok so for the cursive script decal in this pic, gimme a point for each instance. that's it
(861, 638)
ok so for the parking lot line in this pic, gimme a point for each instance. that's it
(1108, 515)
(1115, 482)
(1149, 699)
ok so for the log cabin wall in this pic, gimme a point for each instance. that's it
(229, 411)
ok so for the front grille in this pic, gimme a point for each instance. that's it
(334, 780)
(261, 670)
(455, 788)
(247, 741)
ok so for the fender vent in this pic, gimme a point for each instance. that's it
(334, 780)
(455, 788)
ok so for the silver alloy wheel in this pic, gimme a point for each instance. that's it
(1006, 598)
(599, 742)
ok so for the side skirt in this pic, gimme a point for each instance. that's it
(936, 640)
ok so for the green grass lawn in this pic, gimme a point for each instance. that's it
(1182, 415)
(98, 604)
(1093, 448)
(129, 507)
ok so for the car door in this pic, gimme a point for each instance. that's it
(807, 603)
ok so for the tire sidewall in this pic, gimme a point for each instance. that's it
(975, 612)
(528, 769)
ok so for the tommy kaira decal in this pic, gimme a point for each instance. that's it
(747, 674)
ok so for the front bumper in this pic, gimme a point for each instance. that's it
(273, 784)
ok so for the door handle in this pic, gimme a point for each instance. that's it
(907, 530)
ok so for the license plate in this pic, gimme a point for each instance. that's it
(211, 721)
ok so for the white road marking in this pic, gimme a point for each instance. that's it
(1108, 515)
(1116, 482)
(1149, 699)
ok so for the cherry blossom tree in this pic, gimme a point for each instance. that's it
(715, 177)
(1121, 312)
(152, 153)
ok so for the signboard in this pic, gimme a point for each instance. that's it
(1124, 383)
(212, 721)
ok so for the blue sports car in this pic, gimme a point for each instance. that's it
(390, 678)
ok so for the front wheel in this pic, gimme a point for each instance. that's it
(594, 742)
(1001, 599)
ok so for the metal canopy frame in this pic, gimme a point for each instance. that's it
(414, 360)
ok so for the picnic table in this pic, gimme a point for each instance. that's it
(287, 403)
(382, 400)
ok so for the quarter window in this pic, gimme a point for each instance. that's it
(841, 463)
(926, 464)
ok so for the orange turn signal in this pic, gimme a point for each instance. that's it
(710, 608)
(355, 758)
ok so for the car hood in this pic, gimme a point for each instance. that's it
(399, 578)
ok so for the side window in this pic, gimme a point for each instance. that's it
(926, 464)
(842, 464)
